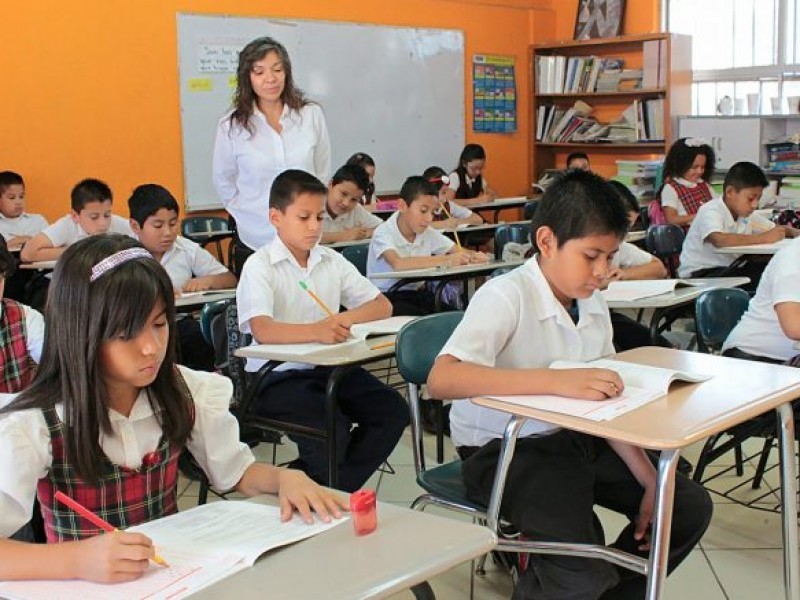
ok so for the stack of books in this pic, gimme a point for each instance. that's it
(639, 176)
(575, 124)
(783, 156)
(584, 74)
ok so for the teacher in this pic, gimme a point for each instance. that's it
(272, 127)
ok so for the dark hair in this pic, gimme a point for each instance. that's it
(121, 301)
(681, 157)
(289, 184)
(434, 175)
(244, 97)
(468, 154)
(577, 156)
(8, 265)
(89, 190)
(146, 200)
(631, 203)
(577, 204)
(9, 178)
(416, 186)
(744, 175)
(364, 160)
(352, 173)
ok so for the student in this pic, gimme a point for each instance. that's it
(16, 226)
(106, 418)
(365, 161)
(631, 205)
(370, 417)
(730, 221)
(578, 160)
(449, 214)
(406, 241)
(514, 327)
(90, 215)
(687, 170)
(467, 184)
(345, 218)
(154, 220)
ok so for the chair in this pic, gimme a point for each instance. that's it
(357, 255)
(644, 217)
(716, 314)
(665, 242)
(212, 325)
(193, 225)
(514, 232)
(529, 209)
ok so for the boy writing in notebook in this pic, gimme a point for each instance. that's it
(276, 309)
(345, 218)
(515, 326)
(90, 215)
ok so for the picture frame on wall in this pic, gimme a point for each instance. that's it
(599, 19)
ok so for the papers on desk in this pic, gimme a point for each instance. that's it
(621, 291)
(643, 384)
(187, 295)
(202, 545)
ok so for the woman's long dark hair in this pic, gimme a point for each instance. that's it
(244, 98)
(80, 317)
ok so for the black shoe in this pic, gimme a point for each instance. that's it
(428, 414)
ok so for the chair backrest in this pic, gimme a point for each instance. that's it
(358, 256)
(514, 232)
(529, 209)
(192, 225)
(644, 217)
(235, 340)
(212, 324)
(716, 313)
(665, 242)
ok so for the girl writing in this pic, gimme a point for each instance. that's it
(687, 170)
(467, 184)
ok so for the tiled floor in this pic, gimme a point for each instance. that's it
(739, 557)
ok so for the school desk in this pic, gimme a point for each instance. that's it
(195, 300)
(408, 548)
(498, 205)
(342, 359)
(689, 413)
(635, 236)
(767, 249)
(665, 305)
(39, 265)
(346, 244)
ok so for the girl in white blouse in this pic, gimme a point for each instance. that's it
(106, 418)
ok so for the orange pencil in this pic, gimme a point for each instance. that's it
(317, 299)
(455, 229)
(95, 520)
(382, 345)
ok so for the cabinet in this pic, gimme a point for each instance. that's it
(670, 89)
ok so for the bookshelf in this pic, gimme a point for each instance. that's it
(663, 93)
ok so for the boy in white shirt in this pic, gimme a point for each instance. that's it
(515, 326)
(407, 241)
(90, 215)
(16, 226)
(730, 221)
(154, 220)
(275, 309)
(345, 218)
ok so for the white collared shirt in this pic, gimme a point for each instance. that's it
(245, 165)
(669, 196)
(515, 322)
(25, 224)
(455, 181)
(387, 236)
(759, 331)
(34, 331)
(358, 217)
(187, 260)
(714, 217)
(66, 232)
(26, 455)
(270, 287)
(629, 256)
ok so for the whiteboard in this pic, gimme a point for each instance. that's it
(396, 93)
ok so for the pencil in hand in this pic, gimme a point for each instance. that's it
(317, 299)
(455, 229)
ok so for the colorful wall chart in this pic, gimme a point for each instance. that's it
(494, 94)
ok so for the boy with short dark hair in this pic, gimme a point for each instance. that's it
(275, 309)
(345, 218)
(515, 326)
(16, 226)
(578, 160)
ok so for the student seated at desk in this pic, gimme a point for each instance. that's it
(16, 226)
(154, 220)
(365, 161)
(407, 241)
(275, 309)
(467, 185)
(345, 218)
(688, 168)
(106, 418)
(515, 326)
(91, 215)
(730, 221)
(449, 214)
(578, 160)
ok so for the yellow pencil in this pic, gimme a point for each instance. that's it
(317, 299)
(455, 229)
(382, 345)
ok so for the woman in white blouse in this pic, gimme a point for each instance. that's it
(272, 127)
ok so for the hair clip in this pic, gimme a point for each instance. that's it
(443, 179)
(695, 142)
(116, 259)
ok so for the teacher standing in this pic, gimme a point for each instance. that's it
(272, 127)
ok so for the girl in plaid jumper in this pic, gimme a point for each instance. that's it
(687, 171)
(106, 418)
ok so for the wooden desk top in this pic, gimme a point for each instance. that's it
(333, 355)
(201, 298)
(754, 248)
(739, 390)
(501, 203)
(39, 265)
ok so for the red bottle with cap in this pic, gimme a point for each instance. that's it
(363, 511)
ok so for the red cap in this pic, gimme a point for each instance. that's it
(362, 500)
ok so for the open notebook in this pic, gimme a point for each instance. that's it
(643, 384)
(644, 288)
(202, 545)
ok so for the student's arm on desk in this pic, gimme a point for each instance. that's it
(655, 269)
(407, 263)
(673, 218)
(644, 472)
(723, 240)
(220, 281)
(789, 318)
(356, 233)
(40, 247)
(17, 240)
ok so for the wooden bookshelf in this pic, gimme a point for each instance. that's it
(608, 105)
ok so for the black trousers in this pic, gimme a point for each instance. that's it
(753, 268)
(370, 418)
(193, 349)
(553, 483)
(629, 334)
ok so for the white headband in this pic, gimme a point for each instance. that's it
(116, 259)
(695, 142)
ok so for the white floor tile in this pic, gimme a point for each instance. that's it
(693, 579)
(735, 527)
(749, 574)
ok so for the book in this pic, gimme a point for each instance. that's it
(621, 291)
(643, 384)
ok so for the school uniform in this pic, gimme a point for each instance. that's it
(65, 231)
(358, 217)
(684, 196)
(557, 476)
(25, 224)
(470, 188)
(21, 338)
(759, 332)
(414, 298)
(699, 257)
(295, 392)
(141, 474)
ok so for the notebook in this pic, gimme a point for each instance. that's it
(618, 291)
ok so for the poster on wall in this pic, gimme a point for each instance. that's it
(494, 94)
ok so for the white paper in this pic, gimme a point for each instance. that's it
(644, 288)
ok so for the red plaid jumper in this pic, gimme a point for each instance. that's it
(18, 366)
(692, 198)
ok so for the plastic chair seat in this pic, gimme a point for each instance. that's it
(446, 482)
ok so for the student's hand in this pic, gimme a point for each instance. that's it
(614, 274)
(645, 517)
(17, 240)
(113, 557)
(332, 330)
(588, 384)
(478, 257)
(791, 232)
(297, 492)
(356, 233)
(457, 259)
(776, 234)
(198, 284)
